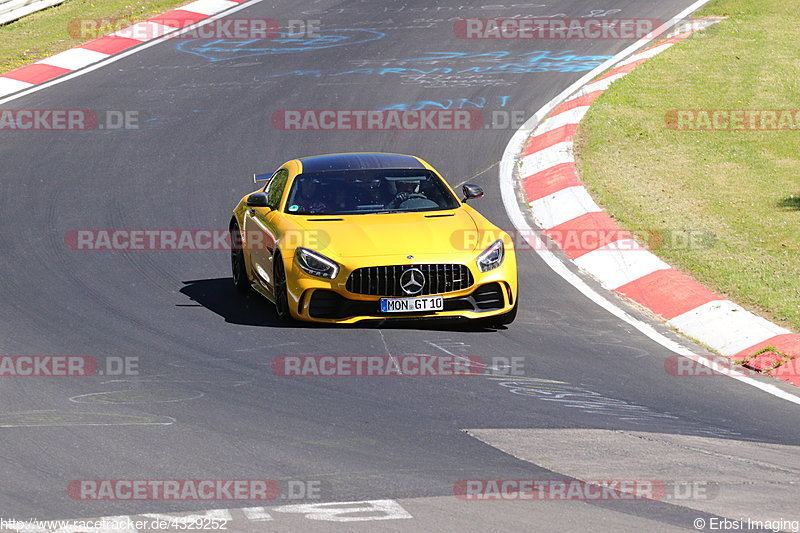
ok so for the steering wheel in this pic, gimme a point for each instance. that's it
(417, 201)
(415, 195)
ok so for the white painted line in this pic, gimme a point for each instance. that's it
(8, 86)
(726, 327)
(257, 514)
(122, 55)
(220, 515)
(573, 116)
(74, 58)
(111, 397)
(442, 346)
(385, 509)
(50, 418)
(563, 206)
(549, 157)
(508, 192)
(620, 262)
(207, 7)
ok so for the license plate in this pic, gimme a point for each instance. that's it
(412, 305)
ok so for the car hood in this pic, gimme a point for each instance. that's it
(439, 232)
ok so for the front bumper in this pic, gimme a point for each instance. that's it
(320, 300)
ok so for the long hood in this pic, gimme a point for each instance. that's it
(395, 234)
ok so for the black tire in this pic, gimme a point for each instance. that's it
(238, 267)
(281, 294)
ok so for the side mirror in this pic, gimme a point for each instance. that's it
(258, 199)
(471, 191)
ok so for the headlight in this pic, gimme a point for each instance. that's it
(316, 264)
(492, 257)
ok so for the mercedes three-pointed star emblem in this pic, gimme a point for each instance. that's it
(412, 281)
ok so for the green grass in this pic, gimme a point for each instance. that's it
(742, 187)
(46, 32)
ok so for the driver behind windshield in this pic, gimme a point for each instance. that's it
(308, 198)
(405, 190)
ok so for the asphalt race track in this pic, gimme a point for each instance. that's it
(206, 403)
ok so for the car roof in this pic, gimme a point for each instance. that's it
(359, 161)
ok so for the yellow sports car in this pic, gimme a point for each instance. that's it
(349, 237)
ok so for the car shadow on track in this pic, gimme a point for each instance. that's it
(219, 296)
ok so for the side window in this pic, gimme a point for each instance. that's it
(276, 186)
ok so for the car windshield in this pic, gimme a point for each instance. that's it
(360, 192)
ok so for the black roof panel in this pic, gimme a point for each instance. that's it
(322, 163)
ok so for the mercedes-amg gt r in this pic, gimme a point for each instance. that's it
(349, 237)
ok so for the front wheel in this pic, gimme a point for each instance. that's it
(238, 267)
(281, 293)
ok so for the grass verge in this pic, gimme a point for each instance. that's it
(46, 32)
(740, 187)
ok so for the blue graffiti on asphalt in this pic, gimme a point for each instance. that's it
(479, 102)
(524, 63)
(225, 49)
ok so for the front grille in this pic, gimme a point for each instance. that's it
(330, 304)
(385, 280)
